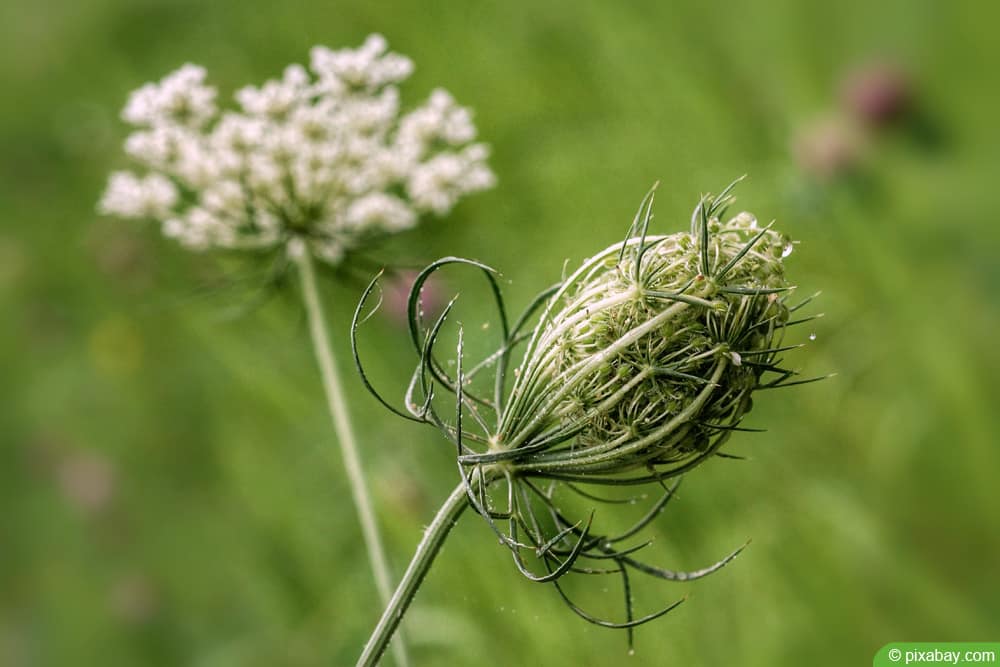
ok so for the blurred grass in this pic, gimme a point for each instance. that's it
(170, 493)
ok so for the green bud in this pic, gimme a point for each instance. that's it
(641, 365)
(646, 356)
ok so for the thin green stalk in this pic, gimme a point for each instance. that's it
(345, 435)
(427, 550)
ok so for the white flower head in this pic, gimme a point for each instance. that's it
(321, 158)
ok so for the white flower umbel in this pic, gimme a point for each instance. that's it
(314, 164)
(322, 154)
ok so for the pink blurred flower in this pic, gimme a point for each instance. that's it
(827, 148)
(877, 94)
(87, 481)
(396, 293)
(133, 598)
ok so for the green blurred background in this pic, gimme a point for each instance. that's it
(170, 493)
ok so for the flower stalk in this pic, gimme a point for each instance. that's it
(341, 419)
(428, 549)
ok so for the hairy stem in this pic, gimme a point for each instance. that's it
(345, 435)
(427, 550)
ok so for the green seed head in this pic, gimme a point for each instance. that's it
(642, 363)
(647, 355)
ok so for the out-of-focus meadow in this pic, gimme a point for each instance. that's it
(170, 492)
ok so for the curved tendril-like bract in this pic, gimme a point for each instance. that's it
(639, 367)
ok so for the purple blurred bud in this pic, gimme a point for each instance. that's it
(877, 94)
(87, 481)
(395, 296)
(132, 598)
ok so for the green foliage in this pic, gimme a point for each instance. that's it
(169, 486)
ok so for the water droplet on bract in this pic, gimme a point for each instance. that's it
(787, 250)
(486, 325)
(812, 336)
(631, 651)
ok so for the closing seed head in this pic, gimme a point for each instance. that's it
(640, 366)
(648, 354)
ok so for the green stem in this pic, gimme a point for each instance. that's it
(345, 434)
(427, 550)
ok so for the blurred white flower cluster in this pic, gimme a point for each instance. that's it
(325, 157)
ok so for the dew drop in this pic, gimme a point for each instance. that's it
(812, 336)
(787, 250)
(631, 651)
